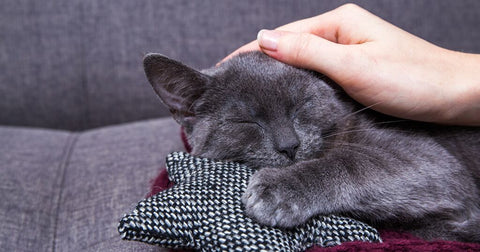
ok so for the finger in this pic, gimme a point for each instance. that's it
(305, 50)
(325, 25)
(346, 24)
(308, 25)
(304, 25)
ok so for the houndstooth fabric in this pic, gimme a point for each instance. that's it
(203, 211)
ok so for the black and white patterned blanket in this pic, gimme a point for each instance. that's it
(203, 211)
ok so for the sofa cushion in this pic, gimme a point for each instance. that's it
(66, 191)
(31, 169)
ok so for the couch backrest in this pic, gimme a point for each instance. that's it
(77, 64)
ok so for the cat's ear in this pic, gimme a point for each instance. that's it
(177, 85)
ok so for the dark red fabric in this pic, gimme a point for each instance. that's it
(161, 182)
(397, 241)
(392, 240)
(187, 146)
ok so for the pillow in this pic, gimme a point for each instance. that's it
(203, 211)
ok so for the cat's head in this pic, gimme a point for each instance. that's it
(250, 109)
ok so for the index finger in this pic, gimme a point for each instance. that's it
(304, 25)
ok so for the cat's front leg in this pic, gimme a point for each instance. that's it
(289, 196)
(274, 197)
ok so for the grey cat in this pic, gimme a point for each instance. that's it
(319, 152)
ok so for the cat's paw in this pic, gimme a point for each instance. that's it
(273, 197)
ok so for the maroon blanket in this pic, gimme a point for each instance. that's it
(392, 240)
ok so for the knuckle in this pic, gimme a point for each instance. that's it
(349, 7)
(350, 12)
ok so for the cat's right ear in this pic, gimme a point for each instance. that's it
(177, 85)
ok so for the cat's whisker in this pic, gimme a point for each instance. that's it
(357, 149)
(358, 130)
(345, 132)
(390, 122)
(362, 109)
(347, 144)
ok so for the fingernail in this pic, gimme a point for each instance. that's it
(268, 39)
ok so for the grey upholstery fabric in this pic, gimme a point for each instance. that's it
(64, 191)
(30, 179)
(77, 64)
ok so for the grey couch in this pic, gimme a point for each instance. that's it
(81, 131)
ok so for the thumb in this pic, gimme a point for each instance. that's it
(309, 51)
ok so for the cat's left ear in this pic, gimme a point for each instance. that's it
(177, 85)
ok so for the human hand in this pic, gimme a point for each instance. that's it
(380, 65)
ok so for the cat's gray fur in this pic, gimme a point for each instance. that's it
(319, 152)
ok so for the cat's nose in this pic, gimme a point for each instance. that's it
(289, 148)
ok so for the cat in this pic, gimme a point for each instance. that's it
(319, 152)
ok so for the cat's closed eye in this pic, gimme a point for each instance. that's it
(250, 122)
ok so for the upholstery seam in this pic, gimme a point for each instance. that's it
(72, 140)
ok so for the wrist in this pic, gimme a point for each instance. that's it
(464, 88)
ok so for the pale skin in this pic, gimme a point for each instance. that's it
(380, 65)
